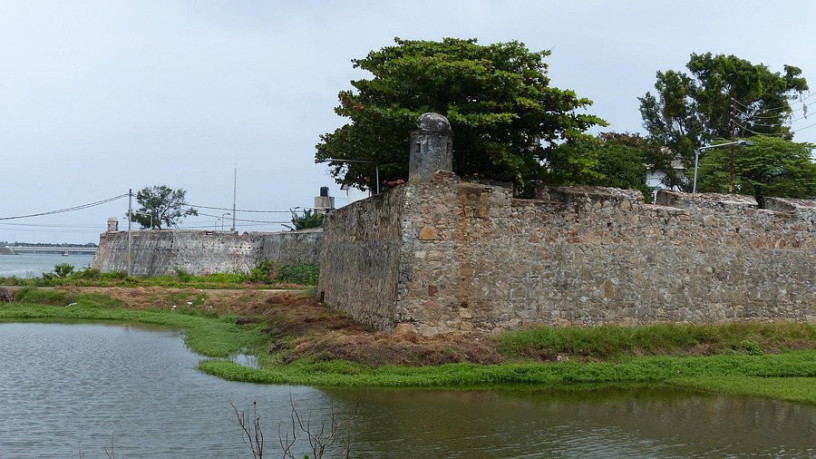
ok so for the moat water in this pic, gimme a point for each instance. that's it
(27, 265)
(77, 390)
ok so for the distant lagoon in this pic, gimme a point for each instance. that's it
(34, 265)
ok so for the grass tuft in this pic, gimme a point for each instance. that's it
(610, 342)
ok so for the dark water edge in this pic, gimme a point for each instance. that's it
(610, 422)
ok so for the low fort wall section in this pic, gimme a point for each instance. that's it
(161, 252)
(361, 255)
(453, 256)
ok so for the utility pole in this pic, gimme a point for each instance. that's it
(234, 191)
(130, 222)
(733, 136)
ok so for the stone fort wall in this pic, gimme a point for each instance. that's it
(451, 256)
(161, 252)
(361, 258)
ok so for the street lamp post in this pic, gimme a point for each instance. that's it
(361, 161)
(697, 152)
(222, 220)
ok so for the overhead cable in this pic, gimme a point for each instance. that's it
(68, 209)
(771, 134)
(245, 210)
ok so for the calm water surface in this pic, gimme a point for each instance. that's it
(71, 388)
(34, 265)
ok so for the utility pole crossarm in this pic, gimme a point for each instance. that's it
(697, 152)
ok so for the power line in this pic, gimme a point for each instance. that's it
(246, 210)
(803, 128)
(53, 225)
(755, 116)
(802, 109)
(793, 111)
(68, 209)
(262, 221)
(761, 133)
(210, 226)
(762, 124)
(245, 220)
(58, 230)
(781, 107)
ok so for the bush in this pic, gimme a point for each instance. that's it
(115, 275)
(304, 274)
(182, 274)
(226, 278)
(48, 280)
(267, 272)
(88, 274)
(264, 272)
(752, 347)
(39, 296)
(63, 270)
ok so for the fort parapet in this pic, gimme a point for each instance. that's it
(439, 255)
(161, 252)
(453, 256)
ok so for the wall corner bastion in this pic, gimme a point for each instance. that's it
(473, 258)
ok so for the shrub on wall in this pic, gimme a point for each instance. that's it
(304, 274)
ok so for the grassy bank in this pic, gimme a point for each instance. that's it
(297, 341)
(787, 376)
(207, 334)
(610, 342)
(266, 273)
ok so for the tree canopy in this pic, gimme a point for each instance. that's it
(610, 159)
(161, 206)
(504, 115)
(771, 167)
(721, 97)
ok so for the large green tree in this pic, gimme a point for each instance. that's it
(498, 99)
(611, 159)
(771, 167)
(721, 97)
(161, 206)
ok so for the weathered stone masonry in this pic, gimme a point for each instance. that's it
(361, 258)
(439, 255)
(450, 256)
(160, 252)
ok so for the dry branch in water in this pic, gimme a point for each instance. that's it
(251, 431)
(321, 437)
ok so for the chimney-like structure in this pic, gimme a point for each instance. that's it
(431, 148)
(324, 203)
(113, 225)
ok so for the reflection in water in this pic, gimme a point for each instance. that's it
(66, 388)
(608, 423)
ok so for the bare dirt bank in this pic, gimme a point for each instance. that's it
(299, 326)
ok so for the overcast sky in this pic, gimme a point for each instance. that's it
(97, 97)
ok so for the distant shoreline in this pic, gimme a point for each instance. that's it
(65, 249)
